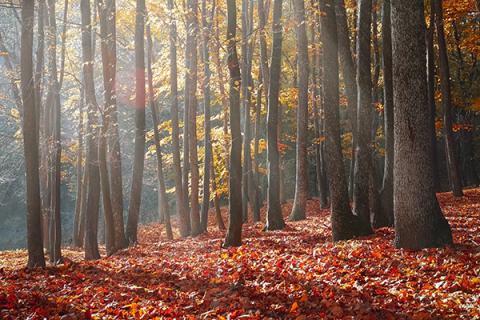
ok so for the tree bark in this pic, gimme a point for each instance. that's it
(233, 237)
(274, 209)
(206, 26)
(450, 147)
(348, 68)
(419, 222)
(344, 223)
(363, 152)
(93, 192)
(80, 174)
(301, 180)
(192, 31)
(54, 93)
(179, 193)
(108, 65)
(387, 188)
(138, 164)
(30, 140)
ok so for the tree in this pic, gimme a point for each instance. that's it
(344, 223)
(363, 160)
(387, 188)
(81, 183)
(274, 209)
(191, 104)
(108, 71)
(450, 148)
(53, 102)
(116, 181)
(162, 193)
(419, 222)
(233, 237)
(30, 140)
(349, 73)
(301, 180)
(93, 192)
(179, 193)
(138, 164)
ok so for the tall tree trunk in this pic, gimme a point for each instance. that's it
(138, 164)
(179, 193)
(387, 188)
(206, 26)
(347, 65)
(301, 179)
(80, 181)
(274, 209)
(30, 140)
(163, 201)
(264, 67)
(256, 173)
(191, 75)
(450, 147)
(246, 104)
(419, 222)
(108, 71)
(93, 192)
(233, 237)
(344, 223)
(317, 106)
(54, 93)
(363, 153)
(39, 68)
(116, 183)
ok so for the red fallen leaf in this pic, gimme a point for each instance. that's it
(41, 312)
(294, 307)
(337, 311)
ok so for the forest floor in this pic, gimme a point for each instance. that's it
(296, 273)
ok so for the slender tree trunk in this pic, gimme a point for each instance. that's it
(39, 68)
(387, 188)
(348, 67)
(30, 140)
(450, 147)
(116, 183)
(246, 104)
(138, 164)
(274, 209)
(301, 179)
(54, 92)
(264, 67)
(233, 237)
(179, 193)
(80, 182)
(419, 222)
(256, 173)
(191, 74)
(363, 153)
(206, 26)
(163, 201)
(93, 192)
(317, 105)
(344, 223)
(108, 71)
